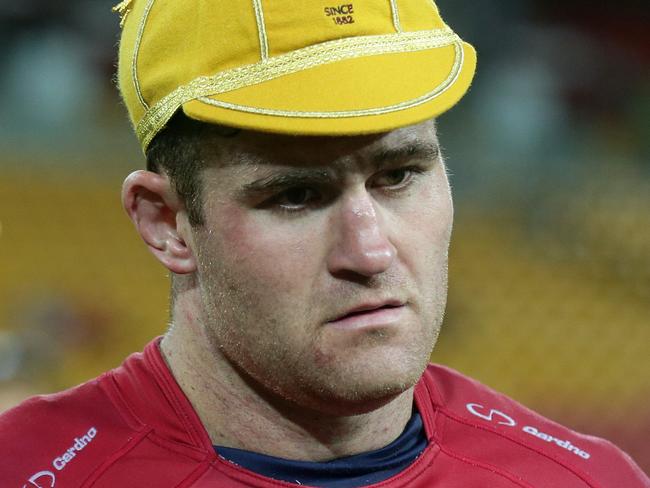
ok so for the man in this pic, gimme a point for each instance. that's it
(296, 192)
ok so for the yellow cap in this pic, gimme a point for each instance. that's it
(299, 67)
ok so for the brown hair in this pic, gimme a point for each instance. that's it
(182, 150)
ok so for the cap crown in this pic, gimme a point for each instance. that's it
(168, 46)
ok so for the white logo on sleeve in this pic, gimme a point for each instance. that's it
(562, 443)
(37, 480)
(79, 444)
(497, 416)
(490, 416)
(47, 479)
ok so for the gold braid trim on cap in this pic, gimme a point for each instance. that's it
(123, 8)
(261, 28)
(136, 53)
(395, 10)
(441, 88)
(308, 57)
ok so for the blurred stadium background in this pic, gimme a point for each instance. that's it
(550, 161)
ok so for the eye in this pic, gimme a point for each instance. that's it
(296, 198)
(397, 177)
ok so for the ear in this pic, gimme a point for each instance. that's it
(160, 219)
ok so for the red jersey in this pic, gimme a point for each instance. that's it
(134, 427)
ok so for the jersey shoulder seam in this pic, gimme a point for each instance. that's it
(113, 458)
(486, 466)
(583, 476)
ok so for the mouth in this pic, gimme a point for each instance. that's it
(366, 315)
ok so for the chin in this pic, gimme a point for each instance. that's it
(355, 391)
(358, 402)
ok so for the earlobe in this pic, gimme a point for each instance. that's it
(156, 212)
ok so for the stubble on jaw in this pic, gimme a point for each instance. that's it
(316, 377)
(236, 302)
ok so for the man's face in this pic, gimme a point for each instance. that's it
(299, 232)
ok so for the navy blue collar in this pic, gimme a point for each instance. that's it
(348, 472)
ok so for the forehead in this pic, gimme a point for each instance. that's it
(255, 148)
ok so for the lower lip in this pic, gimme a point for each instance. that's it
(372, 318)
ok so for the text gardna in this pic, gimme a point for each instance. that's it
(79, 444)
(562, 443)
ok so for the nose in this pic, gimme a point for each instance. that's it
(361, 243)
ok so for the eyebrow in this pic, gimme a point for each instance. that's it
(288, 179)
(300, 177)
(413, 150)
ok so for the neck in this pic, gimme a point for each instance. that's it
(237, 413)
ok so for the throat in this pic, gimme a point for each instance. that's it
(235, 414)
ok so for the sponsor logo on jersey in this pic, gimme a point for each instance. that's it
(42, 479)
(563, 444)
(491, 415)
(47, 479)
(79, 444)
(497, 416)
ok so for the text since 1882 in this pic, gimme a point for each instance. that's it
(341, 14)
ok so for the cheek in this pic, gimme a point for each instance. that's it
(424, 231)
(425, 225)
(276, 257)
(439, 202)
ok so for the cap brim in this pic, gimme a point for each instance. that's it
(354, 96)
